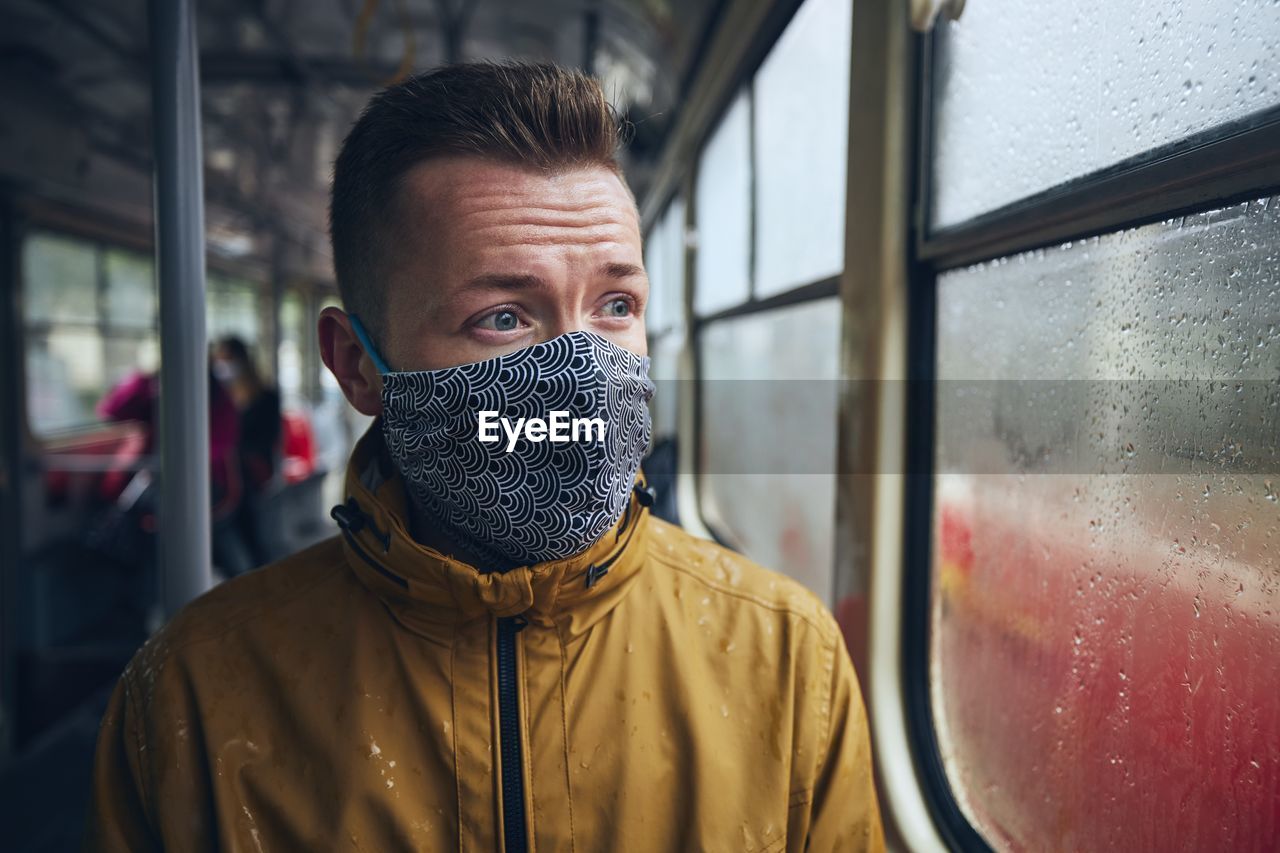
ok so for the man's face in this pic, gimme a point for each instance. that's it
(490, 258)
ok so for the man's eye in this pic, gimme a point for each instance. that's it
(500, 321)
(617, 308)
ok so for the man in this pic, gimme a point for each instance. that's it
(502, 650)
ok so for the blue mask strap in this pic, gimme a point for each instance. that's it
(367, 343)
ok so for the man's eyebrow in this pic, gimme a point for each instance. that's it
(616, 270)
(504, 281)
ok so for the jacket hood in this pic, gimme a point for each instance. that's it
(430, 592)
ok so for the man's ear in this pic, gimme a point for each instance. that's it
(346, 359)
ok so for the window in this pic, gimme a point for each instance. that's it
(88, 323)
(1107, 477)
(664, 261)
(293, 339)
(802, 134)
(234, 308)
(91, 318)
(768, 400)
(131, 290)
(769, 216)
(723, 261)
(1029, 96)
(1094, 641)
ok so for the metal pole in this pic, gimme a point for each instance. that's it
(184, 373)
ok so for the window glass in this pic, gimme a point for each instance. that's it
(131, 290)
(1105, 580)
(801, 126)
(664, 353)
(293, 334)
(65, 377)
(232, 309)
(60, 278)
(1028, 96)
(724, 213)
(664, 262)
(767, 440)
(130, 353)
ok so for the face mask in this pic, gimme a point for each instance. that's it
(225, 371)
(529, 494)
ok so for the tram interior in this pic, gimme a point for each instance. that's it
(1001, 281)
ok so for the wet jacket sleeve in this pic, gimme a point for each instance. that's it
(845, 814)
(118, 817)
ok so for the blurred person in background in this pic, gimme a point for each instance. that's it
(136, 398)
(259, 445)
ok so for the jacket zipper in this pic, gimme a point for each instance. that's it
(513, 817)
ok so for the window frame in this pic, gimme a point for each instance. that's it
(1233, 162)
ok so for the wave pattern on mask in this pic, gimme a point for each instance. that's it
(544, 500)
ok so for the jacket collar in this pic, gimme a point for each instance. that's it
(430, 592)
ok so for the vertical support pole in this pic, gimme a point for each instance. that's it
(13, 401)
(184, 374)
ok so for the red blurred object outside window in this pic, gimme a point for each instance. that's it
(299, 447)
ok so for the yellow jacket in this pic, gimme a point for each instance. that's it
(371, 694)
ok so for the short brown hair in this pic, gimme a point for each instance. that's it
(536, 115)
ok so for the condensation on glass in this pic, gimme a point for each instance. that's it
(723, 199)
(802, 131)
(767, 443)
(1106, 538)
(1028, 96)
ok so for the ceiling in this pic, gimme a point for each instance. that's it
(282, 80)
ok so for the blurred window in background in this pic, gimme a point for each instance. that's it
(801, 142)
(91, 318)
(767, 442)
(664, 259)
(89, 321)
(292, 346)
(664, 262)
(767, 386)
(131, 290)
(723, 199)
(235, 307)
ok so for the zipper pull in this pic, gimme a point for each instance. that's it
(351, 519)
(594, 573)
